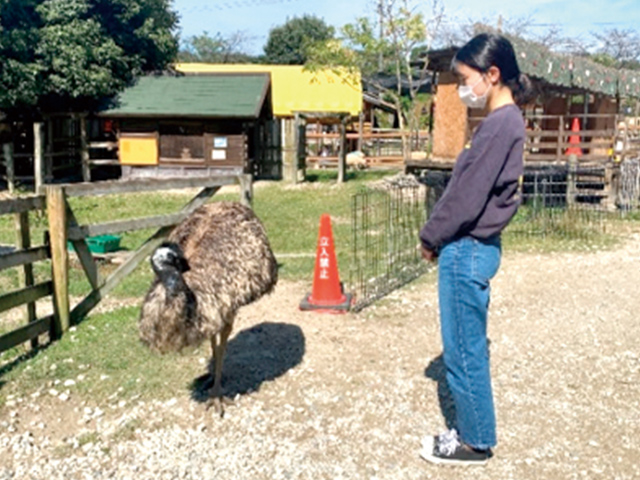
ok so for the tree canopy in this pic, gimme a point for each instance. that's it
(288, 43)
(216, 49)
(69, 54)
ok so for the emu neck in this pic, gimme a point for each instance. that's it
(173, 283)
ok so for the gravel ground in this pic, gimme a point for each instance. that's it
(349, 397)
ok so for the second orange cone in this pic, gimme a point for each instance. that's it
(574, 139)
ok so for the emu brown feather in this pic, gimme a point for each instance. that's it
(230, 265)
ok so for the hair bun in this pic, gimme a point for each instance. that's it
(524, 92)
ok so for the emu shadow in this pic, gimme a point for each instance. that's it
(436, 371)
(255, 355)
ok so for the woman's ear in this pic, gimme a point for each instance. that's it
(494, 75)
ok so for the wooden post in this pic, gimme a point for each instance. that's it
(84, 150)
(7, 150)
(38, 156)
(246, 190)
(48, 164)
(360, 131)
(560, 139)
(301, 148)
(571, 180)
(23, 242)
(342, 161)
(610, 186)
(57, 212)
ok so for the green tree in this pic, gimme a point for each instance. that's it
(216, 49)
(70, 54)
(388, 45)
(288, 43)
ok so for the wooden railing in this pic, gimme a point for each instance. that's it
(550, 145)
(25, 256)
(63, 227)
(380, 148)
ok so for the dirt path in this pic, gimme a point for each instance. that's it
(351, 396)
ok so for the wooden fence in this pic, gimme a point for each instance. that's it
(380, 148)
(63, 227)
(605, 138)
(25, 256)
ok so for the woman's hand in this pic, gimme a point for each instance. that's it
(428, 255)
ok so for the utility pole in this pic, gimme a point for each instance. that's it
(500, 23)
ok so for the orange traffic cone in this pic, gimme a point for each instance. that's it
(327, 295)
(574, 139)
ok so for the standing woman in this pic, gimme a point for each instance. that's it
(463, 232)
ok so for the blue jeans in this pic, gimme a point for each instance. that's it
(465, 267)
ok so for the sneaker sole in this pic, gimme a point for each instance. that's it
(427, 454)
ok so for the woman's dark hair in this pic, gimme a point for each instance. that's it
(487, 50)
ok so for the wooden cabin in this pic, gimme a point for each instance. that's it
(299, 97)
(181, 125)
(566, 88)
(575, 110)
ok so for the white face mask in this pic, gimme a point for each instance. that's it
(470, 98)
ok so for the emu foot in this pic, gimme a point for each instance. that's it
(218, 403)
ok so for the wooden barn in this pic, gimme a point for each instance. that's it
(566, 88)
(181, 125)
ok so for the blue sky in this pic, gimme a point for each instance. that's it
(256, 17)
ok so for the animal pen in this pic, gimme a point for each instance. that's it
(63, 227)
(559, 203)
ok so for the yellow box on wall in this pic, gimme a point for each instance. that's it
(138, 149)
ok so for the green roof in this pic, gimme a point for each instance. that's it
(217, 95)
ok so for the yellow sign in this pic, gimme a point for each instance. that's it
(138, 150)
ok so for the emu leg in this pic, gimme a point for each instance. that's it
(215, 393)
(208, 379)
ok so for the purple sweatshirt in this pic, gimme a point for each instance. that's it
(482, 195)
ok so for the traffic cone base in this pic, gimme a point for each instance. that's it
(308, 304)
(327, 295)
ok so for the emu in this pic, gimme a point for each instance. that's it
(216, 261)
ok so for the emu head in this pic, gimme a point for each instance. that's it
(168, 257)
(168, 263)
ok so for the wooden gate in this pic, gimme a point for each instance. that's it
(24, 255)
(63, 227)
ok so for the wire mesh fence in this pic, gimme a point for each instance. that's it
(562, 202)
(385, 254)
(559, 203)
(629, 195)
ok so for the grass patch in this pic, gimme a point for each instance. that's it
(290, 213)
(103, 355)
(106, 360)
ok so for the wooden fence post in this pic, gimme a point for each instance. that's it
(84, 150)
(572, 174)
(23, 242)
(7, 150)
(611, 185)
(48, 164)
(559, 150)
(342, 160)
(38, 156)
(57, 213)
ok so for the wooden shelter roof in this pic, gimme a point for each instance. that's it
(199, 96)
(562, 72)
